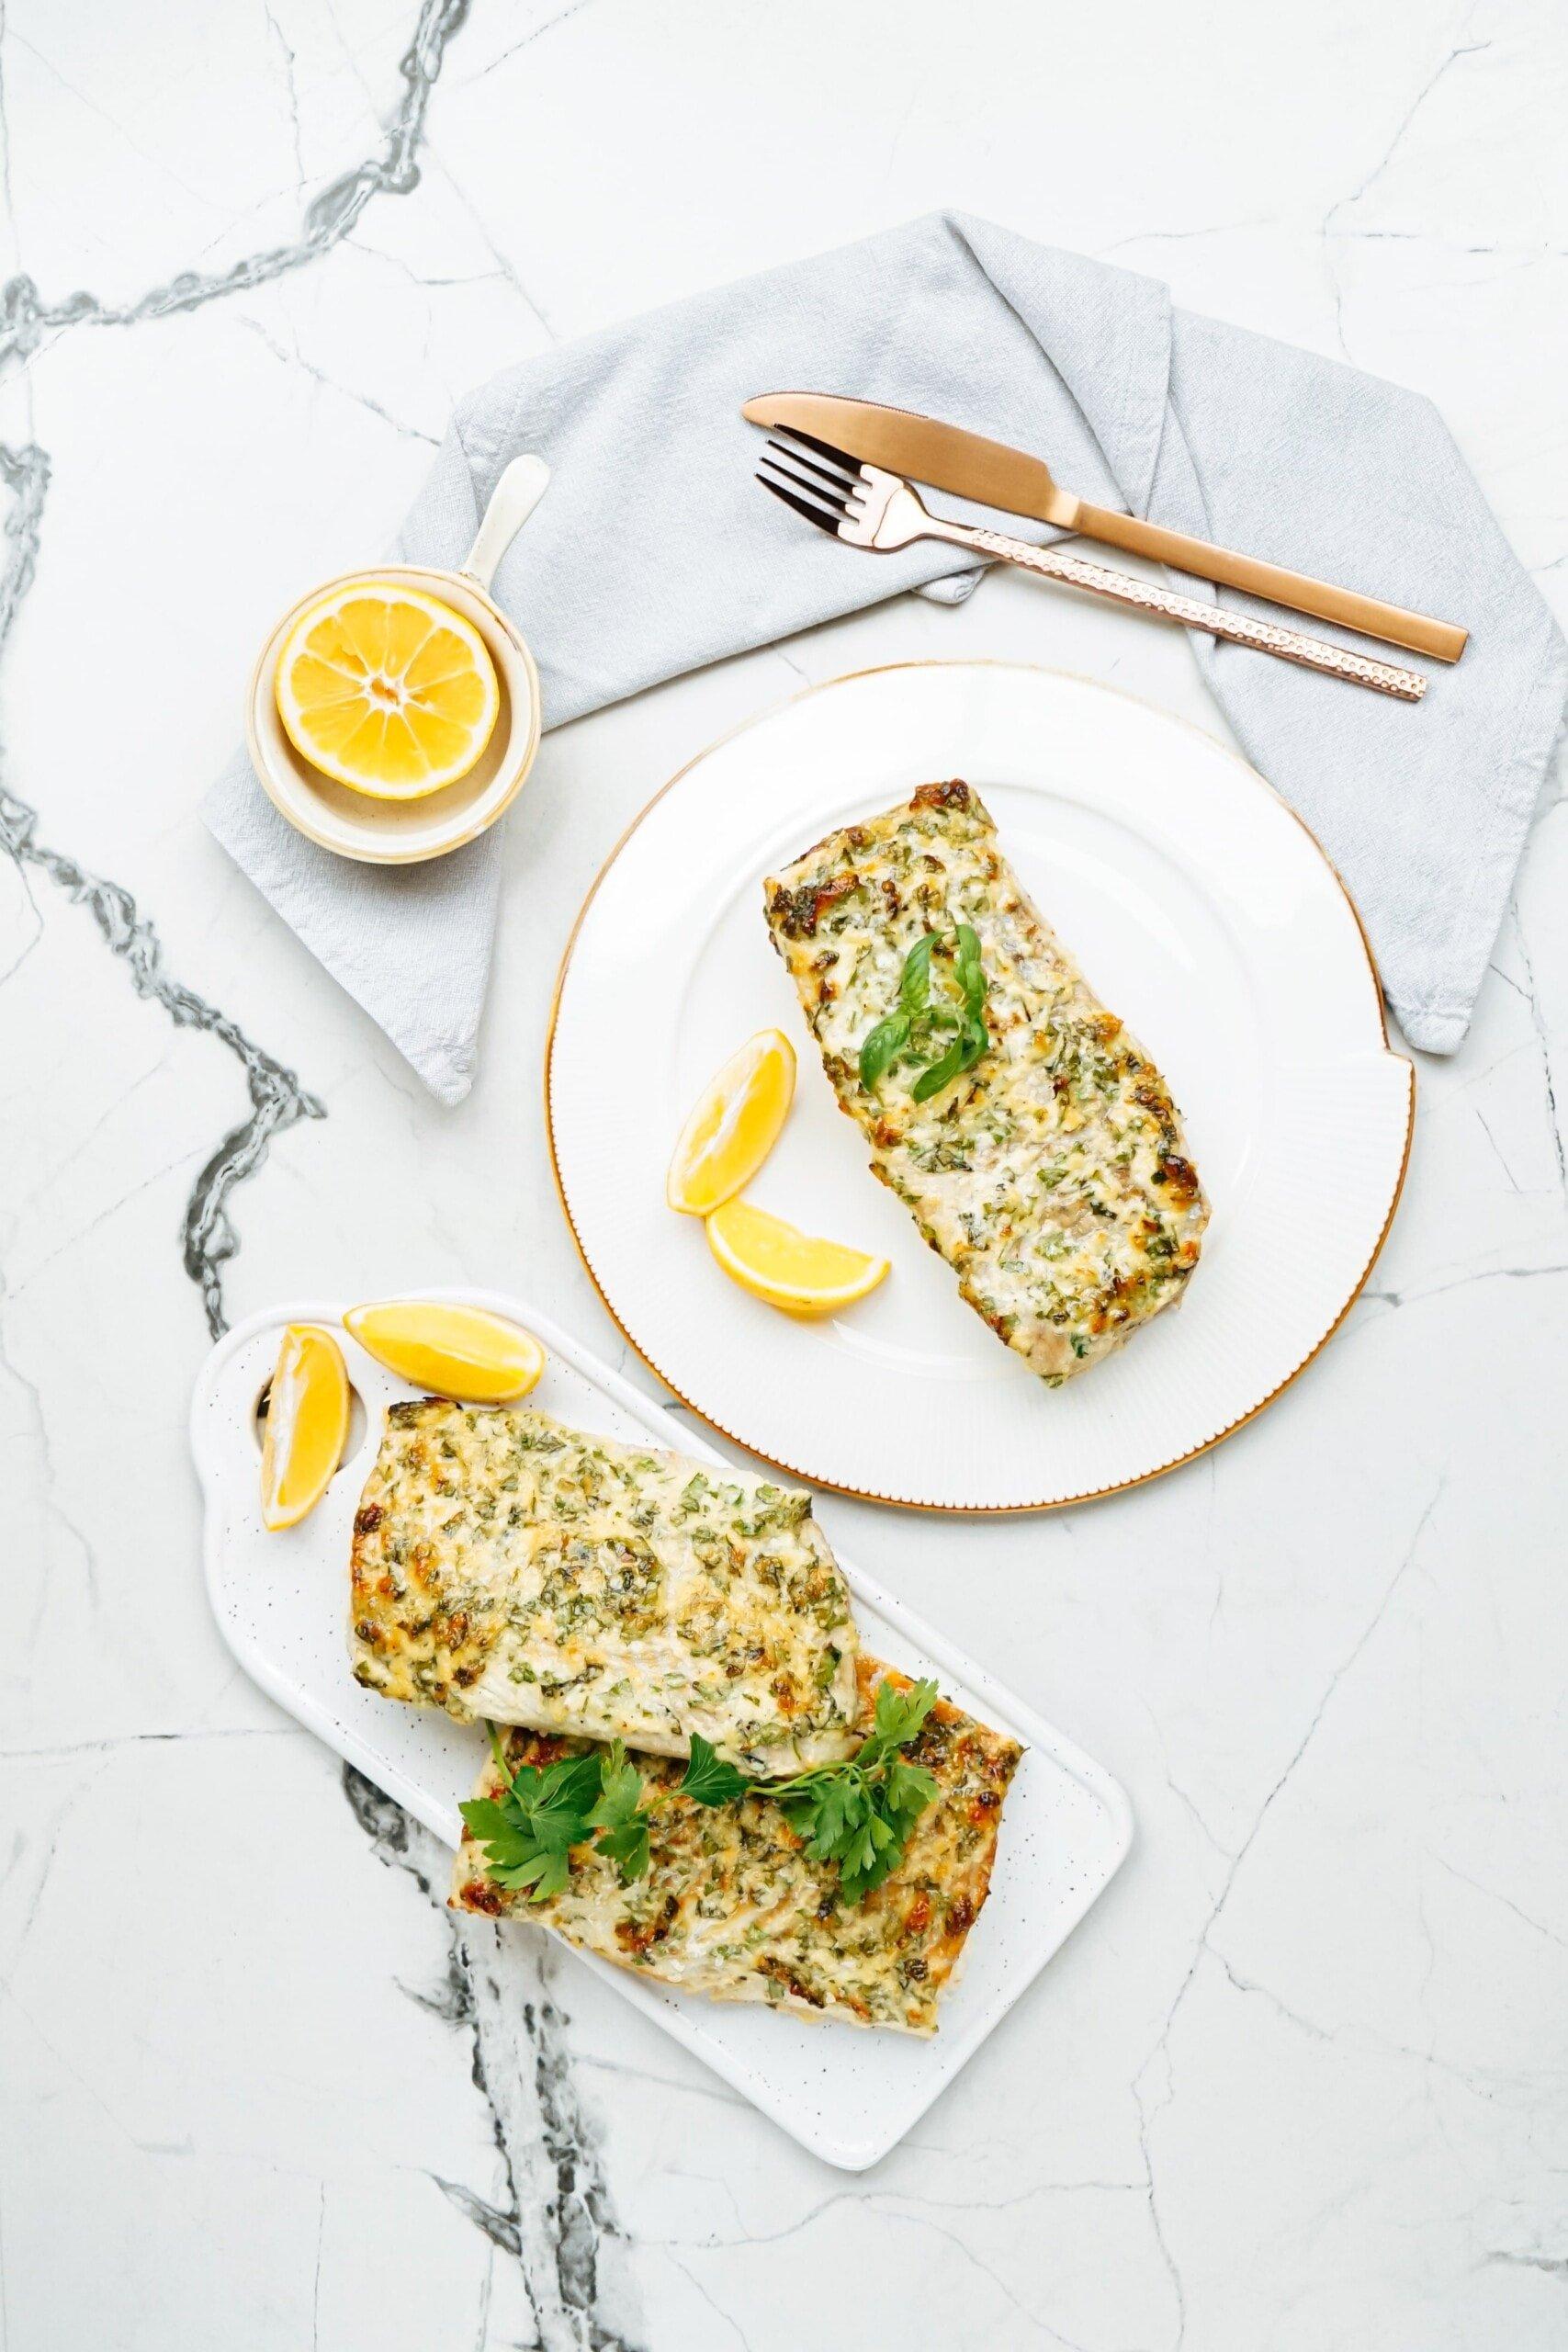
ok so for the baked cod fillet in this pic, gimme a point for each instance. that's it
(1051, 1174)
(733, 1907)
(505, 1565)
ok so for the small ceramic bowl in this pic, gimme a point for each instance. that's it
(403, 833)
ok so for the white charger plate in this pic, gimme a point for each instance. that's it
(281, 1601)
(1202, 910)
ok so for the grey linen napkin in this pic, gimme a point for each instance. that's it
(1198, 425)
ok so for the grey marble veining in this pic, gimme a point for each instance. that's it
(1300, 2078)
(558, 2220)
(276, 1097)
(560, 2209)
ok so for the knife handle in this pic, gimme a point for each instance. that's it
(1236, 629)
(1295, 590)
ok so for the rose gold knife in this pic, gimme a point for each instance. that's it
(993, 475)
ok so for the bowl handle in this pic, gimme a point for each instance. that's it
(513, 498)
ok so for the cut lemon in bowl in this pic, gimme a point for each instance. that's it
(777, 1262)
(461, 1351)
(307, 1425)
(387, 690)
(734, 1126)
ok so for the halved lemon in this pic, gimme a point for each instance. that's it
(777, 1262)
(452, 1350)
(387, 690)
(734, 1126)
(307, 1422)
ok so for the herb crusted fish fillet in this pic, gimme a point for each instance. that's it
(505, 1565)
(1050, 1171)
(732, 1905)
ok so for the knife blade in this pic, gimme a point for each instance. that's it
(949, 457)
(944, 455)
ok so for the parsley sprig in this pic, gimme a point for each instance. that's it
(529, 1830)
(857, 1815)
(915, 1027)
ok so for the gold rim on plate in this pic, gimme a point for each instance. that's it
(870, 1495)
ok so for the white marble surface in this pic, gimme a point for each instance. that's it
(1299, 2081)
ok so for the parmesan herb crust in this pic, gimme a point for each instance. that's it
(1051, 1174)
(733, 1907)
(505, 1565)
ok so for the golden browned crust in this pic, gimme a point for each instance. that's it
(1051, 1174)
(733, 1907)
(506, 1566)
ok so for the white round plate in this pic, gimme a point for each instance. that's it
(1202, 911)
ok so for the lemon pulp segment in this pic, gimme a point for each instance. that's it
(735, 1124)
(776, 1262)
(307, 1423)
(387, 690)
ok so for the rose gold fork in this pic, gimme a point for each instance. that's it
(867, 508)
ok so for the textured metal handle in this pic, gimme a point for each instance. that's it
(1417, 632)
(1236, 629)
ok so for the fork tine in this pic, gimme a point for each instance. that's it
(800, 467)
(838, 457)
(808, 486)
(818, 515)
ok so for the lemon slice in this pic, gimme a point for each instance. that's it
(789, 1269)
(452, 1350)
(734, 1126)
(387, 690)
(307, 1422)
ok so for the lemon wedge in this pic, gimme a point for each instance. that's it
(734, 1126)
(387, 690)
(307, 1422)
(452, 1350)
(777, 1262)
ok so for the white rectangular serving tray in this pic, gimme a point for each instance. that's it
(847, 2094)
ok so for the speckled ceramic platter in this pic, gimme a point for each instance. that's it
(281, 1604)
(1202, 911)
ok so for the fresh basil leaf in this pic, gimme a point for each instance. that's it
(911, 1029)
(882, 1048)
(915, 980)
(940, 1073)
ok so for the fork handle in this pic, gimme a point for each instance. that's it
(1237, 629)
(1417, 631)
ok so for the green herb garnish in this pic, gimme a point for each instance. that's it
(857, 1815)
(708, 1779)
(529, 1830)
(622, 1830)
(914, 1028)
